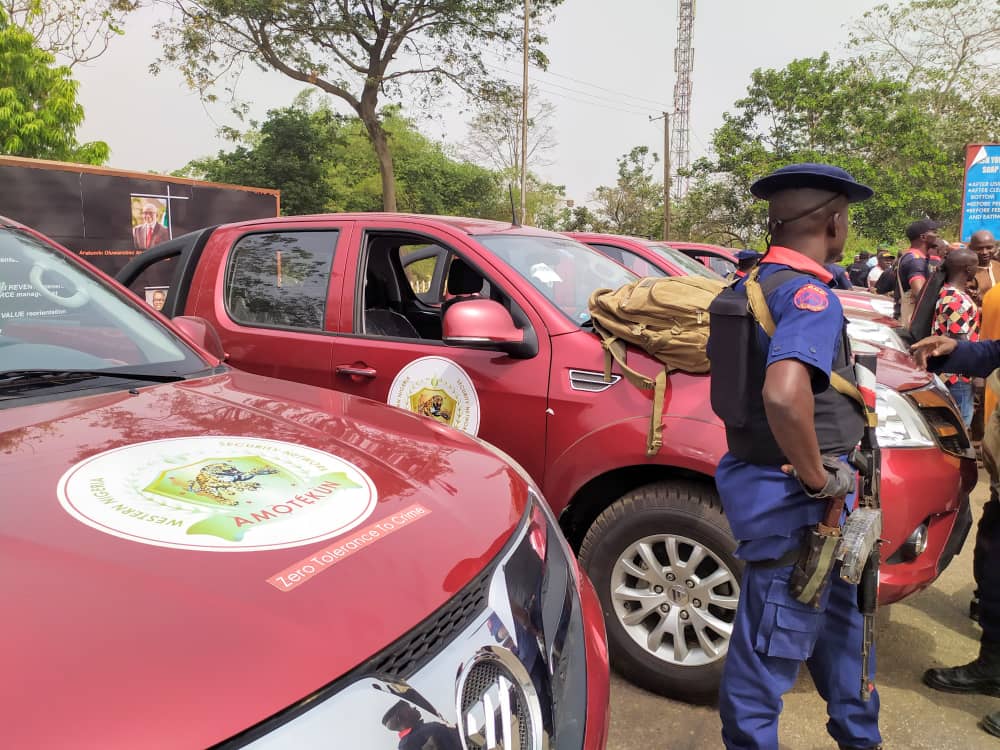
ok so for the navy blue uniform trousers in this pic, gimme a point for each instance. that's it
(979, 359)
(772, 635)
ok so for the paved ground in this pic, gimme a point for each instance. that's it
(928, 629)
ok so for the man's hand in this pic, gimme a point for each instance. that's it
(841, 479)
(932, 346)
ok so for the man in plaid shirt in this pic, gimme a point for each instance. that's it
(957, 316)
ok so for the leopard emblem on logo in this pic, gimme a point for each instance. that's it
(222, 481)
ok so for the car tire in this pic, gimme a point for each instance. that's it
(668, 623)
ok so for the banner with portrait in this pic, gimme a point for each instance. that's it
(108, 216)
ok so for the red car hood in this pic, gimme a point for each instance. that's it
(112, 642)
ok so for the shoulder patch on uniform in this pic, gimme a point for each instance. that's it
(811, 297)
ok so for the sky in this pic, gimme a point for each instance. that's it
(611, 68)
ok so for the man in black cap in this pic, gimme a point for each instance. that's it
(912, 270)
(788, 432)
(746, 260)
(883, 265)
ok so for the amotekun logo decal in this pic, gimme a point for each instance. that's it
(218, 494)
(438, 388)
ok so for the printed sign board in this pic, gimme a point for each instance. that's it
(981, 203)
(108, 216)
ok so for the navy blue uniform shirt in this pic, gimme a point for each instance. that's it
(840, 278)
(976, 359)
(767, 509)
(912, 265)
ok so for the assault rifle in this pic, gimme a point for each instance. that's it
(859, 543)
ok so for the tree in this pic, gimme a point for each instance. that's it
(494, 138)
(322, 161)
(293, 150)
(74, 31)
(634, 204)
(948, 49)
(355, 50)
(39, 114)
(816, 110)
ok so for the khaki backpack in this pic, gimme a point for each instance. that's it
(668, 319)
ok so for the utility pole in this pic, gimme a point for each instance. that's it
(666, 172)
(524, 119)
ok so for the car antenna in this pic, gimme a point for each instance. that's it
(513, 213)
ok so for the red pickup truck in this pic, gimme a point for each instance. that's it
(484, 327)
(196, 556)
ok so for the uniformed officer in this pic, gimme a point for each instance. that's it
(982, 675)
(784, 438)
(745, 261)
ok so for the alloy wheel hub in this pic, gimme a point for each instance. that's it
(675, 598)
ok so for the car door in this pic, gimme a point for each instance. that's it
(267, 291)
(403, 362)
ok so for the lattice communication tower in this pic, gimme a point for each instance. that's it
(680, 150)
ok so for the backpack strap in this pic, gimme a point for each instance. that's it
(614, 349)
(762, 313)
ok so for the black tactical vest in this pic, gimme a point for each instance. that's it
(739, 364)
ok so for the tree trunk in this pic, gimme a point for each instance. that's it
(380, 143)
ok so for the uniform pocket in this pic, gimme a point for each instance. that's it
(788, 629)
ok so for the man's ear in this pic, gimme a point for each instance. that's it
(833, 225)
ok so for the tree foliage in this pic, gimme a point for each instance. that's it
(494, 138)
(357, 50)
(75, 31)
(322, 162)
(39, 113)
(634, 204)
(897, 116)
(838, 113)
(948, 49)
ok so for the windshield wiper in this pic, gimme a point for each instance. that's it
(55, 377)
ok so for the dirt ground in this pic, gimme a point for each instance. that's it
(926, 630)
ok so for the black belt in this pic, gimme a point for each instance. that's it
(789, 558)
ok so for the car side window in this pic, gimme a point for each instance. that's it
(406, 282)
(280, 279)
(721, 266)
(632, 261)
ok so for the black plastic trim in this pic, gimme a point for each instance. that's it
(187, 249)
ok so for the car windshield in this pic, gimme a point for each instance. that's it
(55, 316)
(689, 265)
(564, 270)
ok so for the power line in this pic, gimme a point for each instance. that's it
(637, 109)
(624, 95)
(602, 88)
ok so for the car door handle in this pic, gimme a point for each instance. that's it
(352, 371)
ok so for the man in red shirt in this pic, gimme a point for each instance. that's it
(912, 271)
(957, 316)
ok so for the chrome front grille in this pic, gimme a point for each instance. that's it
(495, 709)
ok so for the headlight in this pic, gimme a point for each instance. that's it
(900, 425)
(876, 334)
(883, 306)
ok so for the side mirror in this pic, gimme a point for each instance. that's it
(202, 333)
(485, 324)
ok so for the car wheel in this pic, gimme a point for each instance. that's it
(661, 559)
